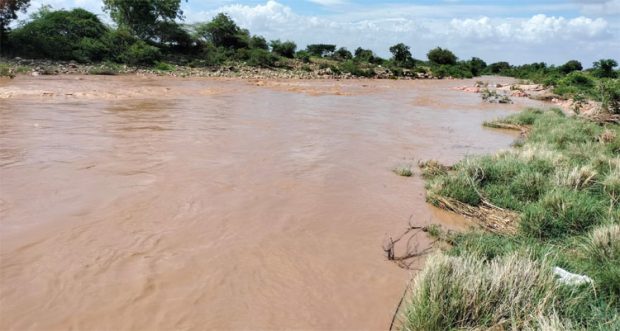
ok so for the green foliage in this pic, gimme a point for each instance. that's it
(498, 67)
(62, 35)
(321, 50)
(140, 53)
(5, 71)
(563, 181)
(354, 68)
(476, 66)
(303, 56)
(173, 36)
(106, 69)
(222, 31)
(609, 92)
(441, 56)
(570, 66)
(163, 66)
(367, 55)
(403, 170)
(8, 12)
(261, 58)
(604, 68)
(401, 55)
(258, 42)
(285, 49)
(142, 17)
(342, 54)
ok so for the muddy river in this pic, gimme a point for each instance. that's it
(136, 203)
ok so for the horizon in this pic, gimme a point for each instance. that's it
(551, 31)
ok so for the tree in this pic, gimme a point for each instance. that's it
(143, 16)
(222, 31)
(604, 68)
(476, 66)
(441, 56)
(8, 12)
(62, 35)
(401, 55)
(570, 66)
(259, 42)
(285, 49)
(321, 50)
(342, 54)
(498, 67)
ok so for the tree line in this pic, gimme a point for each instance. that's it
(149, 31)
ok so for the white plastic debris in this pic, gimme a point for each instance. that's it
(569, 278)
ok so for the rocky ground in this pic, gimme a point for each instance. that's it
(290, 70)
(535, 92)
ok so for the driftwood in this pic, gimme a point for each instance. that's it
(487, 215)
(411, 249)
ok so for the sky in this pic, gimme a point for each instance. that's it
(525, 31)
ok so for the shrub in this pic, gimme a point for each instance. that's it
(441, 56)
(354, 69)
(303, 56)
(401, 56)
(261, 58)
(285, 49)
(61, 35)
(570, 66)
(403, 170)
(163, 66)
(604, 68)
(141, 53)
(320, 50)
(5, 71)
(468, 293)
(609, 94)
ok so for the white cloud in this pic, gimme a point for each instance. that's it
(540, 37)
(329, 3)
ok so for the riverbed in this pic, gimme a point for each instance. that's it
(152, 203)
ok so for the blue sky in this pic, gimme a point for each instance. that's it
(553, 31)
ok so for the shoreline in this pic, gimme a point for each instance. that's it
(290, 70)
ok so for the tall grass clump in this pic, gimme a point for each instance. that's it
(563, 183)
(465, 292)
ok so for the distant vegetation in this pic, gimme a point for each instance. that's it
(562, 183)
(147, 32)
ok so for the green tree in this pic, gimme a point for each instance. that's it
(498, 67)
(286, 49)
(441, 56)
(342, 54)
(143, 16)
(401, 55)
(259, 42)
(222, 31)
(604, 68)
(476, 66)
(321, 50)
(62, 35)
(8, 12)
(570, 66)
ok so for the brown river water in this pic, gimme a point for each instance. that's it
(137, 203)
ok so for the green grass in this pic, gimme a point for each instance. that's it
(5, 71)
(403, 170)
(564, 182)
(163, 66)
(106, 68)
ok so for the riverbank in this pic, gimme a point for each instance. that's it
(548, 257)
(288, 69)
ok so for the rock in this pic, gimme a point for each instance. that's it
(568, 278)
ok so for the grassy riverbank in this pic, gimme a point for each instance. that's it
(550, 201)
